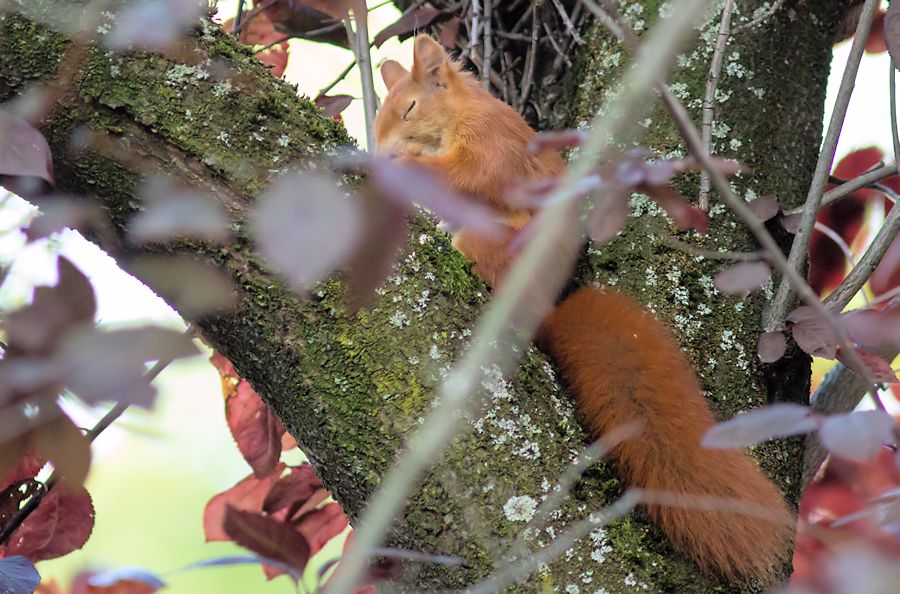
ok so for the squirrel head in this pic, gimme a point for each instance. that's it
(419, 114)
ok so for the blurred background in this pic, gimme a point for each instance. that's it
(154, 471)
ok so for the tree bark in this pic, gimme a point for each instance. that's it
(351, 388)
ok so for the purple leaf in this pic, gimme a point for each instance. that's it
(556, 140)
(18, 575)
(765, 207)
(152, 24)
(872, 328)
(59, 213)
(24, 153)
(192, 287)
(305, 227)
(172, 213)
(759, 425)
(880, 369)
(333, 105)
(857, 435)
(892, 33)
(812, 333)
(268, 537)
(682, 213)
(771, 346)
(410, 22)
(791, 222)
(743, 278)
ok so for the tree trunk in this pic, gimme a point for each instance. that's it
(351, 388)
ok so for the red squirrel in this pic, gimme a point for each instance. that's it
(621, 363)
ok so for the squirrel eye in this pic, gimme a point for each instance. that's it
(409, 109)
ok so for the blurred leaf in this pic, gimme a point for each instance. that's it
(152, 24)
(812, 333)
(192, 287)
(244, 560)
(879, 368)
(448, 32)
(267, 537)
(18, 575)
(24, 154)
(172, 213)
(556, 140)
(771, 346)
(873, 328)
(765, 207)
(791, 222)
(759, 425)
(409, 23)
(126, 580)
(608, 217)
(305, 227)
(683, 214)
(54, 310)
(316, 20)
(892, 33)
(248, 495)
(858, 435)
(61, 524)
(743, 278)
(61, 212)
(61, 442)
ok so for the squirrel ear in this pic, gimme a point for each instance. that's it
(430, 62)
(391, 72)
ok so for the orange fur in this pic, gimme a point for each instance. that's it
(622, 364)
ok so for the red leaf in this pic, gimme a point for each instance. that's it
(878, 367)
(268, 537)
(409, 23)
(321, 525)
(758, 425)
(887, 274)
(128, 580)
(333, 105)
(448, 33)
(247, 495)
(255, 428)
(892, 32)
(812, 334)
(771, 346)
(25, 160)
(61, 524)
(743, 278)
(293, 490)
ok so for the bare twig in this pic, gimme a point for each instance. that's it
(895, 136)
(343, 74)
(783, 300)
(360, 42)
(557, 227)
(775, 7)
(559, 51)
(835, 237)
(709, 100)
(850, 186)
(570, 27)
(237, 18)
(488, 52)
(863, 269)
(530, 58)
(114, 413)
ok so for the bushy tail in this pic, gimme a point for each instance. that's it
(624, 366)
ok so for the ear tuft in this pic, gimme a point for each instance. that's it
(430, 61)
(391, 72)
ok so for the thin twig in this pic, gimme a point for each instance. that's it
(364, 60)
(776, 6)
(570, 27)
(114, 413)
(339, 78)
(488, 52)
(273, 44)
(850, 186)
(783, 300)
(863, 269)
(559, 51)
(836, 238)
(237, 19)
(525, 567)
(556, 228)
(709, 100)
(530, 58)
